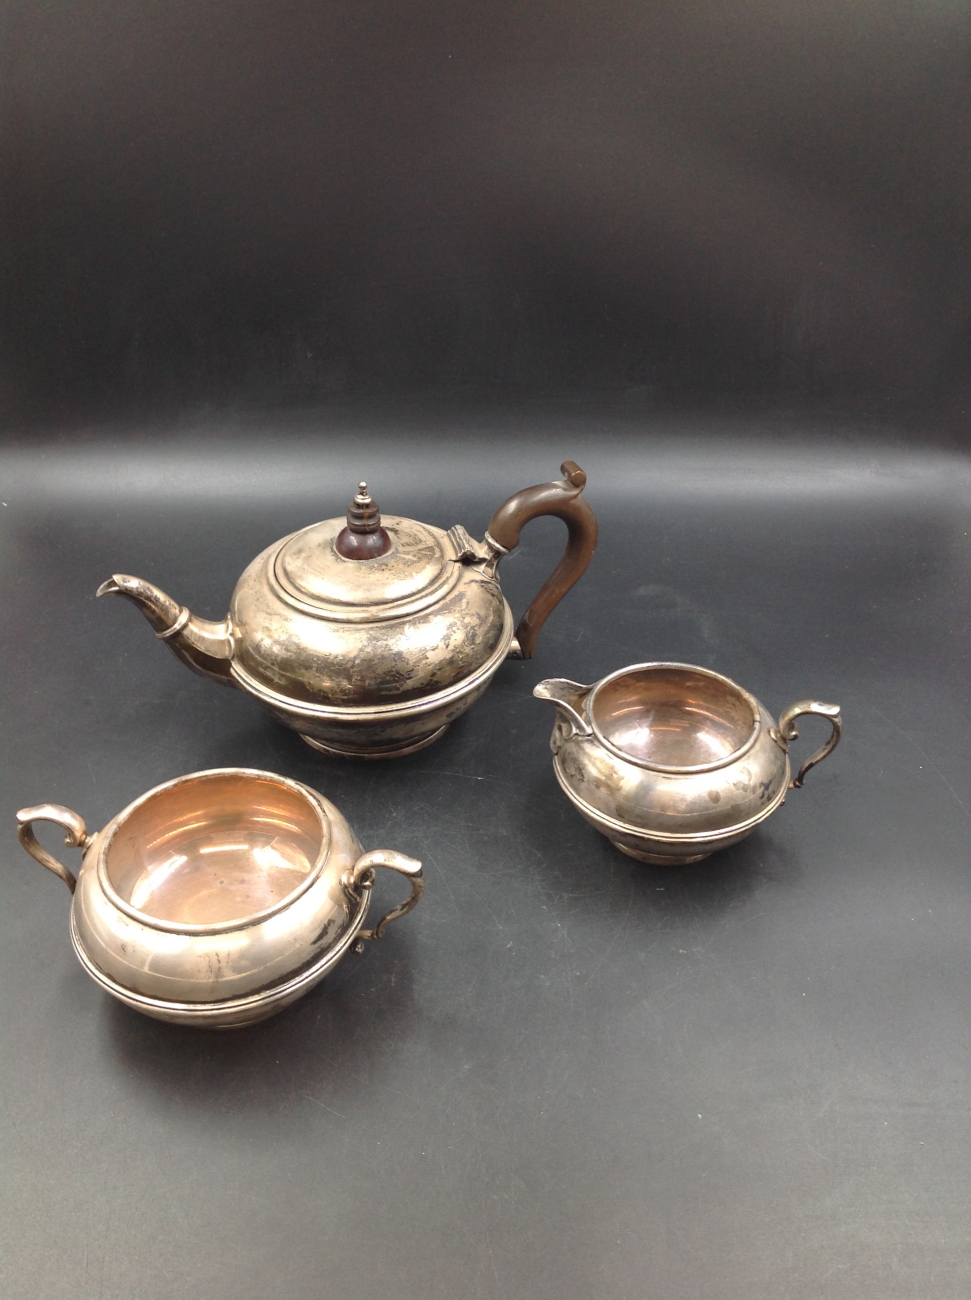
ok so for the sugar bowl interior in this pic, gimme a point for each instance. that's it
(672, 761)
(218, 898)
(215, 852)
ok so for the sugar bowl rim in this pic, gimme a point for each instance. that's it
(235, 923)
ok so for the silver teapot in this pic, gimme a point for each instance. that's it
(370, 634)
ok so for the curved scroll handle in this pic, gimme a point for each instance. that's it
(360, 879)
(788, 731)
(77, 836)
(561, 498)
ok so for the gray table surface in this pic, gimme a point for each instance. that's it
(565, 1074)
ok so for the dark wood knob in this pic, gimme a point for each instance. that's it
(363, 538)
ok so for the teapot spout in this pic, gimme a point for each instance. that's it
(206, 647)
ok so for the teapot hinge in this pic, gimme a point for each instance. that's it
(468, 550)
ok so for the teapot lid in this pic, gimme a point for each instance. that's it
(365, 567)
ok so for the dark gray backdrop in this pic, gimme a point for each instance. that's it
(294, 200)
(253, 252)
(564, 1074)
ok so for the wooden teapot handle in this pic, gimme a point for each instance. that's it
(561, 498)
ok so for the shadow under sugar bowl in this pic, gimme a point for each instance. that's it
(672, 762)
(218, 898)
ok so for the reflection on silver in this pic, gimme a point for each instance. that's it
(370, 634)
(218, 898)
(672, 762)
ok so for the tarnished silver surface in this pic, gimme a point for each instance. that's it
(220, 897)
(370, 635)
(672, 762)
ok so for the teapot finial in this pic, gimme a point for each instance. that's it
(363, 538)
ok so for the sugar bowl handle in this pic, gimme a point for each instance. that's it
(788, 731)
(76, 836)
(360, 879)
(561, 498)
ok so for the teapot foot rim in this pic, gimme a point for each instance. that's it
(388, 751)
(659, 859)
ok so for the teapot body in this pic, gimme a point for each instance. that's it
(369, 635)
(386, 672)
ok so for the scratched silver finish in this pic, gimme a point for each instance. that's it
(374, 654)
(219, 898)
(672, 762)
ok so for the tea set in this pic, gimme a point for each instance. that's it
(220, 897)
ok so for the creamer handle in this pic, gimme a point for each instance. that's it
(77, 836)
(788, 731)
(561, 498)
